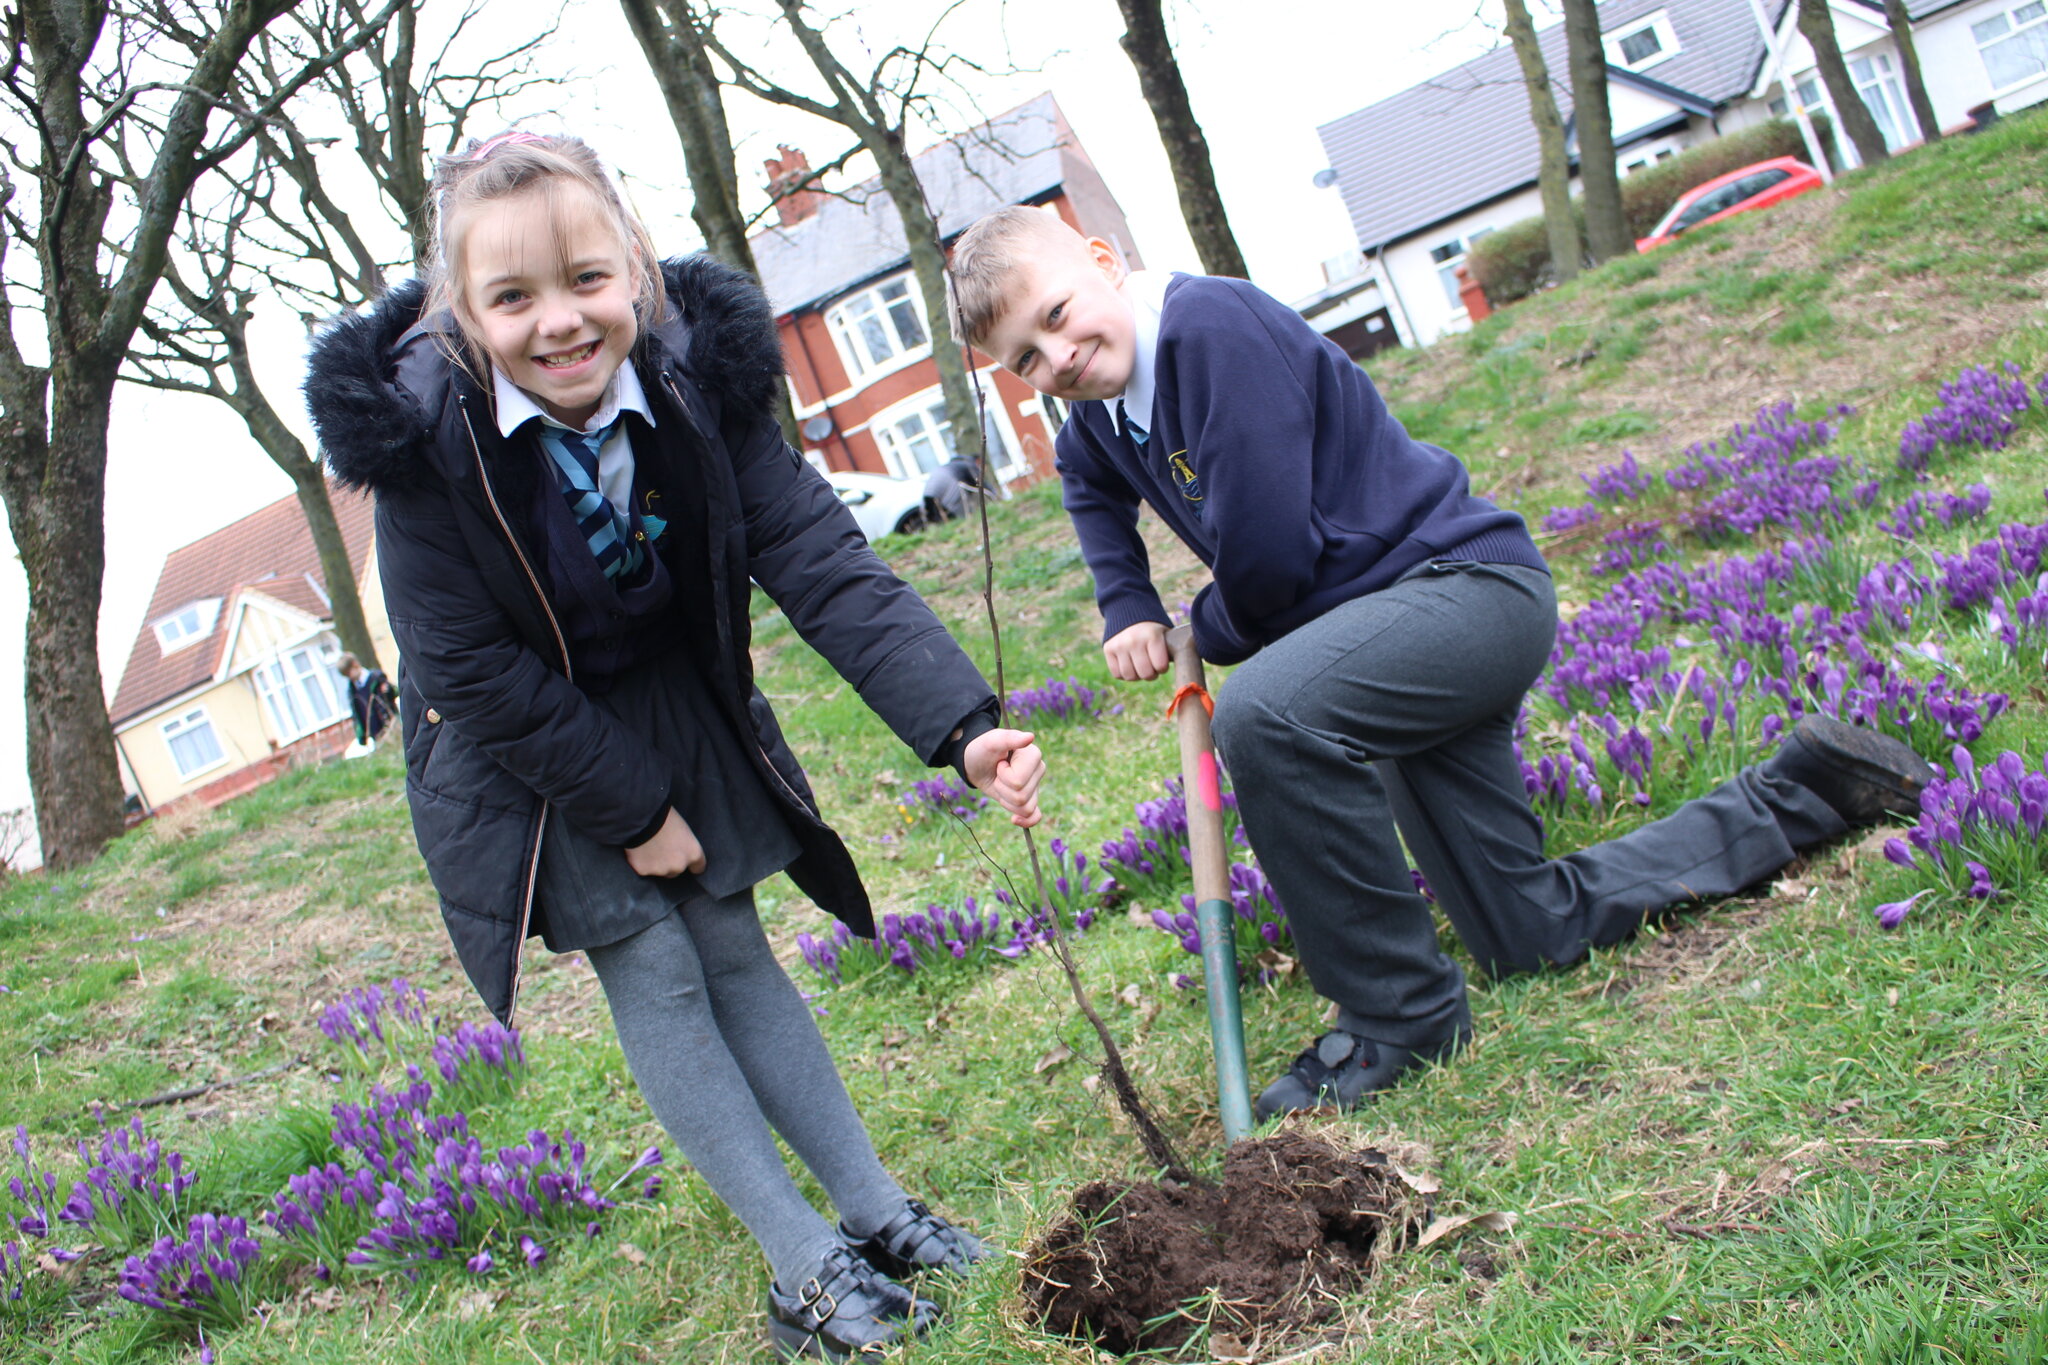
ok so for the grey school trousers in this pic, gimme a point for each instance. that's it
(1397, 710)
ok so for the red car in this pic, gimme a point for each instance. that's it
(1739, 191)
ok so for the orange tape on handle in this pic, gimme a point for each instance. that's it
(1187, 690)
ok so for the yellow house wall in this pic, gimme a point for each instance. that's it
(238, 723)
(376, 617)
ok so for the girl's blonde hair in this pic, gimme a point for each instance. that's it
(515, 163)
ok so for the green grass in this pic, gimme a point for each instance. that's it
(1766, 1132)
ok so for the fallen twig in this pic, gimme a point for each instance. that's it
(195, 1091)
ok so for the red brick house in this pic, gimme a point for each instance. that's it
(853, 325)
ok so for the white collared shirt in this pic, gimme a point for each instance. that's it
(1146, 289)
(615, 457)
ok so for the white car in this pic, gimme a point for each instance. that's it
(881, 504)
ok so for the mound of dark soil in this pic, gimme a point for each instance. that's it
(1298, 1219)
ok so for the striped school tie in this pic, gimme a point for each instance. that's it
(607, 530)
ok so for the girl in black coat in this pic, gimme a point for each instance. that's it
(577, 473)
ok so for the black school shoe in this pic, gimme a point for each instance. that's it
(917, 1240)
(848, 1309)
(1862, 774)
(1341, 1069)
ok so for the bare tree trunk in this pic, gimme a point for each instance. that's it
(1818, 25)
(1187, 151)
(1909, 70)
(1553, 166)
(1606, 230)
(57, 522)
(672, 36)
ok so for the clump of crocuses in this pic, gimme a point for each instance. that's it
(378, 1022)
(1979, 835)
(942, 798)
(206, 1277)
(479, 1063)
(1978, 409)
(130, 1191)
(1060, 699)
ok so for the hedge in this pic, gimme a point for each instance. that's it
(1514, 262)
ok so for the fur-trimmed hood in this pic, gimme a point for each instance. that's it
(378, 381)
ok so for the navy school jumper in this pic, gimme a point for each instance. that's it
(1274, 459)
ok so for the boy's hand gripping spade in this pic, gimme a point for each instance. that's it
(1203, 787)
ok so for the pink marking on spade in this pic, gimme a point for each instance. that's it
(1205, 783)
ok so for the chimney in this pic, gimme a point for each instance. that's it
(794, 205)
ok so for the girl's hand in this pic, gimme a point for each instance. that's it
(1137, 653)
(1008, 766)
(672, 851)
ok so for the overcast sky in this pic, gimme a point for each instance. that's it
(1262, 74)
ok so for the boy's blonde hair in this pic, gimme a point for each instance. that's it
(515, 163)
(986, 258)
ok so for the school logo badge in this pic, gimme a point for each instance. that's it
(1185, 478)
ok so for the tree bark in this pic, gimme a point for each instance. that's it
(672, 36)
(1187, 151)
(1909, 70)
(1818, 25)
(1606, 229)
(1553, 165)
(57, 521)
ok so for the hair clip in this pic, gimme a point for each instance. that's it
(514, 138)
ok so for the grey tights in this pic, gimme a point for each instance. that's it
(725, 1049)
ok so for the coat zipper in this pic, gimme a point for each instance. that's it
(568, 672)
(803, 806)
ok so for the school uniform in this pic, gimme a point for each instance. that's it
(1390, 621)
(573, 608)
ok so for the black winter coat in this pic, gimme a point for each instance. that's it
(495, 727)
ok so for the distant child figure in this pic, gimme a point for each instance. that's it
(579, 477)
(1390, 622)
(372, 700)
(947, 490)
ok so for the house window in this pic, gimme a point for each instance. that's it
(188, 625)
(2014, 44)
(194, 747)
(1447, 258)
(916, 438)
(302, 691)
(1879, 87)
(1643, 43)
(877, 326)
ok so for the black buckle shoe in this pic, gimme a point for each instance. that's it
(1341, 1069)
(847, 1309)
(917, 1240)
(1862, 774)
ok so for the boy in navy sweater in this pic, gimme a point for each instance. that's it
(1390, 621)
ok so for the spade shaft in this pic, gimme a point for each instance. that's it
(1202, 785)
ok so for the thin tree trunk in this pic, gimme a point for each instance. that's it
(57, 524)
(670, 35)
(1818, 24)
(1187, 151)
(928, 263)
(1606, 230)
(1553, 166)
(1909, 70)
(309, 482)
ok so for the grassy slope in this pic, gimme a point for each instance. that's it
(1771, 1132)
